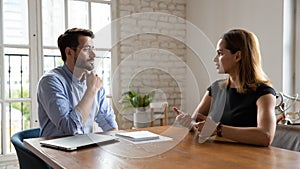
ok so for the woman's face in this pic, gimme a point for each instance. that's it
(224, 60)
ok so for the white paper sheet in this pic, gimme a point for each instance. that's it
(160, 139)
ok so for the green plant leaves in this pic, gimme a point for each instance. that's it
(136, 100)
(148, 98)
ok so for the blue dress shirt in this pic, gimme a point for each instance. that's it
(58, 94)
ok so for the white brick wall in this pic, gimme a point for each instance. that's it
(151, 48)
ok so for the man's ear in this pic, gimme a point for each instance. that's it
(238, 56)
(69, 51)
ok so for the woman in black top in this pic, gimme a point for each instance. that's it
(248, 115)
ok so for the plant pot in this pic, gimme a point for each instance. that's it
(141, 118)
(125, 120)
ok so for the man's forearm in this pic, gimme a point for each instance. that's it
(85, 105)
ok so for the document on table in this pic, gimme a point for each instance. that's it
(138, 137)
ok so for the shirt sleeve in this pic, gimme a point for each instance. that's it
(265, 89)
(54, 95)
(105, 117)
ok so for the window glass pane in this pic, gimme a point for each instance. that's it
(78, 14)
(15, 22)
(16, 70)
(52, 59)
(17, 119)
(53, 21)
(100, 16)
(103, 68)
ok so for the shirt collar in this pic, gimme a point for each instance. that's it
(70, 75)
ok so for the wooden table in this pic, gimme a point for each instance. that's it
(183, 152)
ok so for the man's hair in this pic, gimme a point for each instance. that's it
(251, 74)
(70, 39)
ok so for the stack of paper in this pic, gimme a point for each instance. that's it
(138, 135)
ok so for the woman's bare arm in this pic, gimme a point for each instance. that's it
(202, 109)
(263, 134)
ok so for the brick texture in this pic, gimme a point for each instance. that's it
(152, 51)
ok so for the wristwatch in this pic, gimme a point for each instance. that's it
(219, 130)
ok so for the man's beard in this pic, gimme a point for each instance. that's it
(84, 64)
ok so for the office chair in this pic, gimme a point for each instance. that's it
(287, 137)
(27, 159)
(159, 110)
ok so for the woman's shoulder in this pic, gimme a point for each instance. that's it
(219, 82)
(263, 89)
(216, 86)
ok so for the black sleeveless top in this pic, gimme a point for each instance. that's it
(240, 109)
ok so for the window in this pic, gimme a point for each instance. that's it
(15, 100)
(291, 49)
(85, 14)
(22, 48)
(297, 47)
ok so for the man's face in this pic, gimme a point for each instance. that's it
(85, 55)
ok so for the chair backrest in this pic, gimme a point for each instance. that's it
(287, 137)
(27, 159)
(162, 107)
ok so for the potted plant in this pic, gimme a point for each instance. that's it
(134, 100)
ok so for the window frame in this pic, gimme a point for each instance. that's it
(35, 48)
(297, 47)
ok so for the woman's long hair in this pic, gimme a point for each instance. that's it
(250, 74)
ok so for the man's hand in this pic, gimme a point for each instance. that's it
(93, 82)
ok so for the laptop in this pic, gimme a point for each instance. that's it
(70, 143)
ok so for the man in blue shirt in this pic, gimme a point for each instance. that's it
(71, 97)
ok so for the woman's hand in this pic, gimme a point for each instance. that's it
(207, 128)
(199, 125)
(184, 119)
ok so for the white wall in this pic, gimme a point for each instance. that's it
(263, 17)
